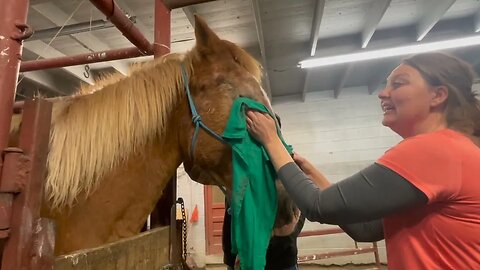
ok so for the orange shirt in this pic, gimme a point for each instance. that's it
(445, 233)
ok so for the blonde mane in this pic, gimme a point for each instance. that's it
(92, 133)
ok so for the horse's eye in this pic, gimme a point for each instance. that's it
(235, 58)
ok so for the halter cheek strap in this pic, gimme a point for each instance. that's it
(197, 121)
(196, 118)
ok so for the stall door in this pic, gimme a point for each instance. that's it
(214, 211)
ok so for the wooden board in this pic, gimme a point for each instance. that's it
(146, 251)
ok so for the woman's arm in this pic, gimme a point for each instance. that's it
(371, 231)
(313, 173)
(368, 195)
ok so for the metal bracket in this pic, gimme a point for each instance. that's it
(16, 168)
(25, 32)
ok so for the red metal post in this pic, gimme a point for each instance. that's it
(23, 179)
(173, 4)
(121, 21)
(13, 29)
(81, 59)
(165, 209)
(162, 30)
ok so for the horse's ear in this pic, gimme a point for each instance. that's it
(203, 34)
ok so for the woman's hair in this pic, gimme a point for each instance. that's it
(287, 209)
(463, 105)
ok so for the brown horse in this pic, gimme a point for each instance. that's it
(112, 151)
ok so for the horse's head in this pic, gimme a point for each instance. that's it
(222, 71)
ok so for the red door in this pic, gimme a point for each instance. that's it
(214, 211)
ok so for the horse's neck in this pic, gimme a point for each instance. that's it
(121, 203)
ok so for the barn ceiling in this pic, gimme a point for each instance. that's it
(279, 33)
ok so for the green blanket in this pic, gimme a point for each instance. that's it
(254, 198)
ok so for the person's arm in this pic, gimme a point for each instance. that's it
(299, 226)
(371, 231)
(368, 195)
(313, 173)
(361, 232)
(263, 128)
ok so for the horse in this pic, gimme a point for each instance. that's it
(114, 148)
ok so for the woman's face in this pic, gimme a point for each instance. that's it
(406, 100)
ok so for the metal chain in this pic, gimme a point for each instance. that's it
(184, 228)
(184, 239)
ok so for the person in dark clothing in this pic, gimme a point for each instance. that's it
(228, 257)
(282, 250)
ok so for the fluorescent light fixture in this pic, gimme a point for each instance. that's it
(383, 53)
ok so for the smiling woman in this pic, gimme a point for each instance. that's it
(435, 93)
(422, 196)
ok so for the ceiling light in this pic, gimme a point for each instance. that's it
(397, 51)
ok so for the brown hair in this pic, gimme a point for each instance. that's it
(463, 105)
(287, 209)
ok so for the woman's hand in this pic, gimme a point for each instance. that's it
(262, 127)
(304, 164)
(313, 173)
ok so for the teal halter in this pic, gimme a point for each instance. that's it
(197, 121)
(196, 118)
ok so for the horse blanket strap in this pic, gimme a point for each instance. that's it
(197, 121)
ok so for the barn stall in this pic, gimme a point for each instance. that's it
(337, 104)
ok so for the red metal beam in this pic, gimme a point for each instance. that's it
(162, 30)
(81, 59)
(173, 4)
(164, 212)
(121, 21)
(321, 232)
(13, 17)
(326, 255)
(22, 179)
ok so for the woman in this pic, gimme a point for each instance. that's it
(423, 195)
(282, 250)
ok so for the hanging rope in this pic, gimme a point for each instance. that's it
(56, 34)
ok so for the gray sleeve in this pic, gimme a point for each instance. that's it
(370, 194)
(371, 231)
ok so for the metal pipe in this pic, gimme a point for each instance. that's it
(327, 255)
(162, 29)
(26, 176)
(81, 59)
(13, 29)
(121, 21)
(71, 29)
(173, 4)
(321, 232)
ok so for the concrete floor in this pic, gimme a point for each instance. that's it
(316, 267)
